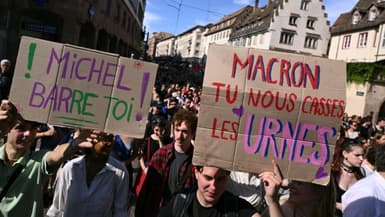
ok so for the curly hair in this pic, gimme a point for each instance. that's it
(188, 117)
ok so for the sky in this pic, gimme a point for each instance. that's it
(177, 16)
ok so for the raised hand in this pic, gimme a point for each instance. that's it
(272, 182)
(8, 114)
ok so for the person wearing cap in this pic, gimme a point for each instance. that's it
(22, 194)
(93, 185)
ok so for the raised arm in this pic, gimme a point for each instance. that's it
(272, 182)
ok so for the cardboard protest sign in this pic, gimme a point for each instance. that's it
(71, 86)
(259, 105)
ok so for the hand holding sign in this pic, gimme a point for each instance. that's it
(7, 116)
(272, 181)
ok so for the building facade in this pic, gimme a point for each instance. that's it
(166, 47)
(187, 44)
(153, 41)
(107, 25)
(296, 26)
(359, 36)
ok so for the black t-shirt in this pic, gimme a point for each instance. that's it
(228, 205)
(174, 170)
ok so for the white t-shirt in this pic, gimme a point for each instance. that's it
(365, 198)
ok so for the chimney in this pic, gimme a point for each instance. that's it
(256, 3)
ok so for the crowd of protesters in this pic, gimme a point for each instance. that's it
(80, 172)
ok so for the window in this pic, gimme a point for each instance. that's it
(305, 5)
(362, 39)
(107, 6)
(310, 23)
(293, 20)
(286, 38)
(356, 17)
(372, 14)
(117, 12)
(346, 41)
(311, 42)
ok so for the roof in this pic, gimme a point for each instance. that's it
(257, 21)
(236, 15)
(191, 29)
(344, 23)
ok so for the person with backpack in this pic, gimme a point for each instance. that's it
(210, 198)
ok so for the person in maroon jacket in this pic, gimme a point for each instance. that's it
(170, 169)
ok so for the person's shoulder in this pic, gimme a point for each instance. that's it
(116, 165)
(163, 151)
(365, 187)
(70, 164)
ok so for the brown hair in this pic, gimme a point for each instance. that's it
(188, 117)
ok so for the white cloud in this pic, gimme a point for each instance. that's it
(150, 19)
(241, 2)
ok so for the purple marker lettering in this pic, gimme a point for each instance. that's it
(51, 98)
(248, 130)
(98, 71)
(37, 95)
(302, 143)
(77, 74)
(108, 78)
(73, 66)
(65, 96)
(120, 79)
(146, 78)
(289, 139)
(321, 157)
(273, 126)
(58, 61)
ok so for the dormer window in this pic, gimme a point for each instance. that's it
(356, 17)
(373, 13)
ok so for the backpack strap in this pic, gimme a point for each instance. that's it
(231, 205)
(181, 204)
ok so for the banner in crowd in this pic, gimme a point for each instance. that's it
(66, 85)
(259, 105)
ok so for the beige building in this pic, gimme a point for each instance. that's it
(187, 44)
(154, 40)
(166, 47)
(297, 26)
(359, 36)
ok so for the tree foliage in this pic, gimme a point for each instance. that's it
(361, 73)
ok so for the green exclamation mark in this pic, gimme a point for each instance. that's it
(31, 54)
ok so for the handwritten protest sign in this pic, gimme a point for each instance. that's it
(66, 85)
(260, 105)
